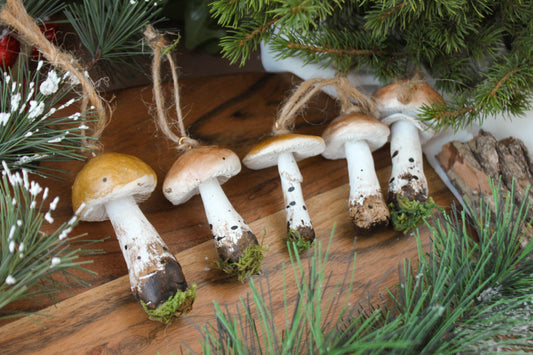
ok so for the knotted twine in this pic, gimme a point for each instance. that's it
(350, 99)
(160, 47)
(15, 15)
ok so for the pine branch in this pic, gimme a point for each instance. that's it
(111, 31)
(33, 125)
(30, 260)
(39, 9)
(470, 293)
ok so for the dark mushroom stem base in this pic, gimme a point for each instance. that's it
(370, 215)
(176, 305)
(243, 261)
(157, 287)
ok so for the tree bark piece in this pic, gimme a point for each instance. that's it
(484, 149)
(468, 165)
(516, 166)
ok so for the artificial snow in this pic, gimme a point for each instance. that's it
(10, 280)
(15, 101)
(51, 84)
(48, 217)
(55, 261)
(36, 109)
(64, 234)
(53, 204)
(4, 118)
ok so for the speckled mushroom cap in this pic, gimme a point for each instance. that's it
(351, 128)
(198, 165)
(110, 176)
(402, 100)
(266, 153)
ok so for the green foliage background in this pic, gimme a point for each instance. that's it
(479, 52)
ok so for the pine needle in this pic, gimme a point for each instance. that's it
(31, 260)
(34, 127)
(471, 292)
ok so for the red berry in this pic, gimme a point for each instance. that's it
(9, 50)
(49, 31)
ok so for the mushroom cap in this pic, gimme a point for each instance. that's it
(266, 153)
(107, 177)
(196, 166)
(402, 100)
(353, 127)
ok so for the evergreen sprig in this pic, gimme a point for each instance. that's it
(34, 264)
(479, 52)
(471, 292)
(111, 31)
(33, 124)
(41, 10)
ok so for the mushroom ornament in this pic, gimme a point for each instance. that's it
(284, 151)
(398, 104)
(203, 170)
(110, 186)
(354, 136)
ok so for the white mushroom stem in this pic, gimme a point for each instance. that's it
(291, 179)
(407, 175)
(226, 224)
(362, 174)
(139, 241)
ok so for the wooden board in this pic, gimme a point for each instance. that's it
(233, 111)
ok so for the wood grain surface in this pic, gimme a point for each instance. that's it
(235, 111)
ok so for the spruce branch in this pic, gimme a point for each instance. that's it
(244, 40)
(506, 91)
(479, 52)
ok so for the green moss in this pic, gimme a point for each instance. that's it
(249, 264)
(174, 307)
(301, 244)
(407, 214)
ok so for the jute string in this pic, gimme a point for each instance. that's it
(350, 100)
(409, 87)
(159, 46)
(14, 14)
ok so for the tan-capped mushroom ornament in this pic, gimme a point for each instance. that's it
(110, 186)
(399, 105)
(354, 136)
(202, 170)
(284, 151)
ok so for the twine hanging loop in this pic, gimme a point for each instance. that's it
(349, 97)
(160, 47)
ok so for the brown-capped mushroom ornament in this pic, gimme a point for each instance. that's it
(202, 170)
(399, 104)
(110, 186)
(354, 136)
(284, 151)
